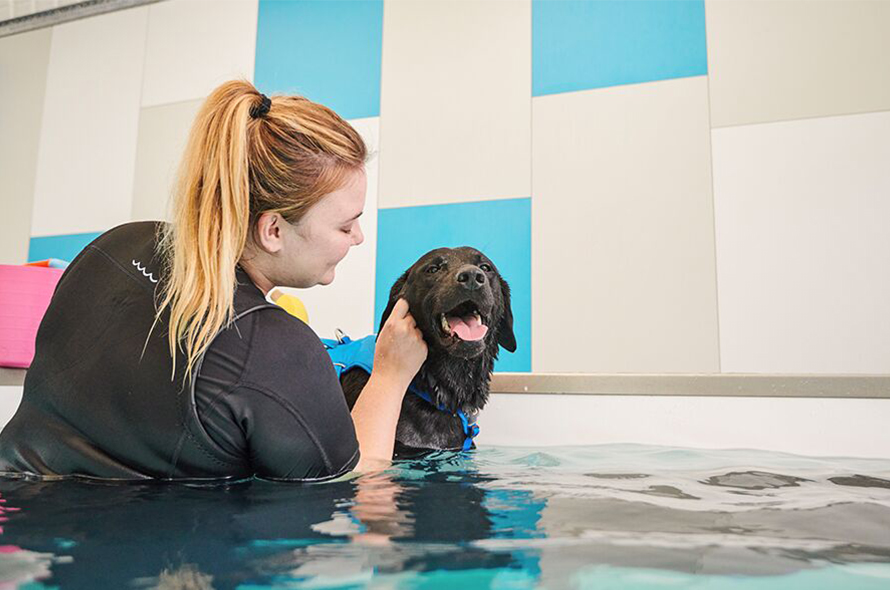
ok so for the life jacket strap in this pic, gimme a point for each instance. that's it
(348, 354)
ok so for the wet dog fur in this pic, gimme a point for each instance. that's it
(446, 282)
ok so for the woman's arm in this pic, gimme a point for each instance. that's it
(399, 355)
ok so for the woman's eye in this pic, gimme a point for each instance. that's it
(347, 230)
(432, 269)
(485, 267)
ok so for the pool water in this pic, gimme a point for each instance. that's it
(608, 516)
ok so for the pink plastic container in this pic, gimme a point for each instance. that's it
(25, 292)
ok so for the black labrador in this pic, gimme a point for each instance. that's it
(462, 306)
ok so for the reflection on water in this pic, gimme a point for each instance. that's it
(597, 516)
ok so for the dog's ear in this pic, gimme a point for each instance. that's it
(397, 291)
(506, 338)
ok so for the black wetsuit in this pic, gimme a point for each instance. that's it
(265, 400)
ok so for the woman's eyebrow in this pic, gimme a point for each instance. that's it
(357, 216)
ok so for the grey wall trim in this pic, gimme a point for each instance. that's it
(66, 13)
(11, 376)
(729, 385)
(719, 385)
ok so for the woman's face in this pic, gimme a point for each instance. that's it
(320, 240)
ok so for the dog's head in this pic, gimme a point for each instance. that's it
(459, 301)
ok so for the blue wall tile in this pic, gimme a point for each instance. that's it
(65, 247)
(325, 50)
(501, 229)
(579, 45)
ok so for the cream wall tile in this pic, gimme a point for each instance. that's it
(24, 60)
(44, 5)
(777, 60)
(803, 249)
(163, 132)
(90, 119)
(348, 302)
(194, 45)
(455, 101)
(22, 7)
(622, 231)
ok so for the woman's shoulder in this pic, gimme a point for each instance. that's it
(280, 338)
(129, 245)
(266, 349)
(128, 235)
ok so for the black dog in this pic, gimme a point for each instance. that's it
(462, 306)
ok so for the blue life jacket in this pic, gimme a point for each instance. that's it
(348, 354)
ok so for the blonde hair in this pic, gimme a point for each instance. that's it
(234, 168)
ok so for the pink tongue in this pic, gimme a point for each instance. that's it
(467, 327)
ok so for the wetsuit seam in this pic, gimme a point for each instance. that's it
(90, 247)
(254, 328)
(123, 268)
(291, 409)
(200, 447)
(198, 444)
(217, 398)
(191, 404)
(228, 391)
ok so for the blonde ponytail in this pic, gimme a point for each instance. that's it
(234, 168)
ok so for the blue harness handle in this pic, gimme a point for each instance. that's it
(348, 354)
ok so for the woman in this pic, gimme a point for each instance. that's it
(159, 356)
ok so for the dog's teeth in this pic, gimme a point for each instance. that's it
(478, 317)
(445, 325)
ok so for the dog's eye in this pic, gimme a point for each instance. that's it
(485, 267)
(432, 269)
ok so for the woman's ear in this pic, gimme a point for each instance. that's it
(397, 291)
(267, 232)
(506, 338)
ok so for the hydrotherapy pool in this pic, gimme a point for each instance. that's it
(601, 516)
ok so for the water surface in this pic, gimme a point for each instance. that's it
(607, 516)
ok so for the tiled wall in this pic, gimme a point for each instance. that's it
(669, 186)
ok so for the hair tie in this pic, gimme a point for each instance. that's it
(261, 109)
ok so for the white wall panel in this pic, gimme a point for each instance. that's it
(194, 45)
(622, 231)
(348, 302)
(91, 113)
(803, 247)
(455, 101)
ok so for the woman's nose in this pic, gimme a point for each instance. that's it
(359, 236)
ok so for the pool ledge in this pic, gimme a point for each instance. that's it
(704, 384)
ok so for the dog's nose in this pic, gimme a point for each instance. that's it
(470, 277)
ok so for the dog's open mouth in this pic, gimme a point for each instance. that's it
(464, 322)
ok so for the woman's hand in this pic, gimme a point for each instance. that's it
(400, 347)
(400, 353)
